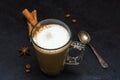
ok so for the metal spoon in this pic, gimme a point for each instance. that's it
(84, 37)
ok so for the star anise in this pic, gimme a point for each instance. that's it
(24, 51)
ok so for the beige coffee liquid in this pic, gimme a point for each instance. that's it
(49, 37)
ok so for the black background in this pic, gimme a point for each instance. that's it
(101, 18)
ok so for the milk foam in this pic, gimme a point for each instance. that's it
(51, 36)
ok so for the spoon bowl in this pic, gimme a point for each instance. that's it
(84, 37)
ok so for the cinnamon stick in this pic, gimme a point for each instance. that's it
(29, 28)
(34, 14)
(29, 17)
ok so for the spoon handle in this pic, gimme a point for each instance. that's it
(100, 59)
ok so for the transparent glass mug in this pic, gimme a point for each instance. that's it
(52, 61)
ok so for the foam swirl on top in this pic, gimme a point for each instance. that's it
(51, 36)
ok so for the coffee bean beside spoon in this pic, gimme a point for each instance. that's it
(84, 37)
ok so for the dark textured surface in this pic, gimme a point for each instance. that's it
(98, 17)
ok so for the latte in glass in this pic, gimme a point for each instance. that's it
(51, 39)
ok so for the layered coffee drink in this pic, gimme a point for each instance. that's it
(51, 43)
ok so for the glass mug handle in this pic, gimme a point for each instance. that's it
(70, 60)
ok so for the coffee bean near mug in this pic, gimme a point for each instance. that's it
(52, 41)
